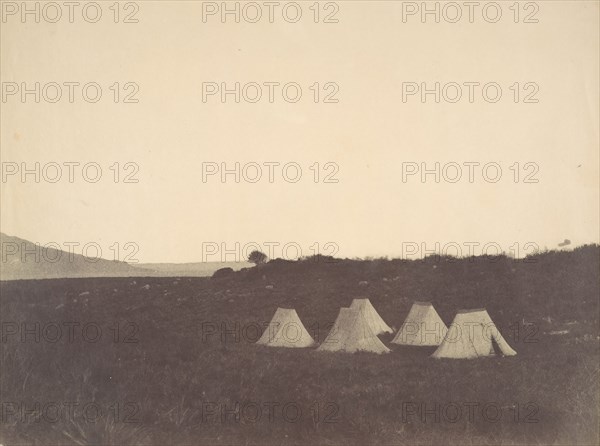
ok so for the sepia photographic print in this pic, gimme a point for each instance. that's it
(299, 223)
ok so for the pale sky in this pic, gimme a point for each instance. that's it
(369, 133)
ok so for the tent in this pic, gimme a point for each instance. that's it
(374, 321)
(286, 330)
(423, 326)
(472, 334)
(351, 333)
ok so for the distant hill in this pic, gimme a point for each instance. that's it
(22, 259)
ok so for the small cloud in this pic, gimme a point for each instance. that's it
(565, 243)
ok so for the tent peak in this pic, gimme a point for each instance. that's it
(476, 310)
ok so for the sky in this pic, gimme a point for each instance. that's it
(353, 154)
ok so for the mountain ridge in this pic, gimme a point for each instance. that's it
(22, 259)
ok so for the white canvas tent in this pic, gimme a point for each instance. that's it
(286, 330)
(423, 326)
(351, 333)
(372, 318)
(472, 334)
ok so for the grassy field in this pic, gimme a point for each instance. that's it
(164, 361)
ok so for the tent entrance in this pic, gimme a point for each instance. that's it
(496, 348)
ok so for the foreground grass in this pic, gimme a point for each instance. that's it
(182, 367)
